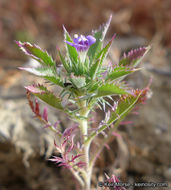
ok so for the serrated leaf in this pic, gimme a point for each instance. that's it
(72, 52)
(136, 62)
(118, 73)
(36, 53)
(55, 80)
(48, 97)
(99, 35)
(64, 62)
(46, 72)
(134, 57)
(78, 81)
(100, 57)
(109, 90)
(94, 68)
(123, 108)
(39, 71)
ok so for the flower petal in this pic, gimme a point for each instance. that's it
(91, 40)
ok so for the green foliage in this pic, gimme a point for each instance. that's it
(86, 83)
(94, 69)
(36, 53)
(47, 73)
(99, 35)
(64, 62)
(71, 51)
(110, 90)
(125, 106)
(83, 78)
(48, 97)
(118, 73)
(78, 81)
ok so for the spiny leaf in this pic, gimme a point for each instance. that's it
(94, 69)
(55, 80)
(36, 110)
(134, 57)
(47, 73)
(119, 72)
(125, 105)
(99, 35)
(36, 53)
(72, 52)
(78, 81)
(105, 50)
(64, 62)
(39, 71)
(41, 92)
(110, 89)
(100, 57)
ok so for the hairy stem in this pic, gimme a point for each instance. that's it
(84, 130)
(76, 175)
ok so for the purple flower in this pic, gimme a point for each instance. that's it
(82, 43)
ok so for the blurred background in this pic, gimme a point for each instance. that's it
(143, 153)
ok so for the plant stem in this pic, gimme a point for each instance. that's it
(84, 130)
(76, 175)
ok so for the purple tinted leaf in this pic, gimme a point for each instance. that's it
(64, 144)
(45, 114)
(71, 145)
(34, 89)
(56, 124)
(66, 165)
(37, 109)
(133, 57)
(36, 53)
(75, 157)
(57, 147)
(80, 164)
(69, 131)
(56, 159)
(44, 94)
(135, 54)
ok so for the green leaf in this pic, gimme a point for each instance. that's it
(72, 52)
(78, 81)
(109, 90)
(39, 71)
(48, 97)
(54, 80)
(36, 53)
(94, 68)
(123, 108)
(99, 35)
(47, 73)
(99, 59)
(64, 62)
(119, 72)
